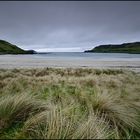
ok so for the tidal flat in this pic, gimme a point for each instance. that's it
(56, 103)
(72, 60)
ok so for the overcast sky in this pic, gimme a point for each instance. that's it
(69, 25)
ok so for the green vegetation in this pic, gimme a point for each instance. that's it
(69, 104)
(122, 48)
(8, 48)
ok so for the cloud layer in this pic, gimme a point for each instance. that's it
(69, 25)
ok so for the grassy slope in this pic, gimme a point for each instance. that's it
(122, 48)
(69, 103)
(8, 48)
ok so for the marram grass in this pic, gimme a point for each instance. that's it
(69, 104)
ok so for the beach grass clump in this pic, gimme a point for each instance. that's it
(16, 108)
(57, 124)
(69, 104)
(119, 112)
(51, 124)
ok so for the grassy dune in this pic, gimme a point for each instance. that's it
(133, 47)
(8, 48)
(69, 104)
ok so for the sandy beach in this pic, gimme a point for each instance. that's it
(28, 61)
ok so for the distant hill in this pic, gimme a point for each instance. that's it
(118, 48)
(8, 48)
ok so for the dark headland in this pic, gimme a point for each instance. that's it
(133, 47)
(8, 48)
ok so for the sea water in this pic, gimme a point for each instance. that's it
(91, 56)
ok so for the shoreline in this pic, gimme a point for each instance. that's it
(10, 62)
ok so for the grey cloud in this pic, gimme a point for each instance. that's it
(67, 24)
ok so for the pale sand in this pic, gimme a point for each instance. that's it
(24, 61)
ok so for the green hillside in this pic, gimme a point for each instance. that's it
(8, 48)
(119, 48)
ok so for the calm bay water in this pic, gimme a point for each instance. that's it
(93, 56)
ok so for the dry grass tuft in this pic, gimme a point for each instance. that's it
(69, 104)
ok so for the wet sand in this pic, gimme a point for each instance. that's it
(25, 61)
